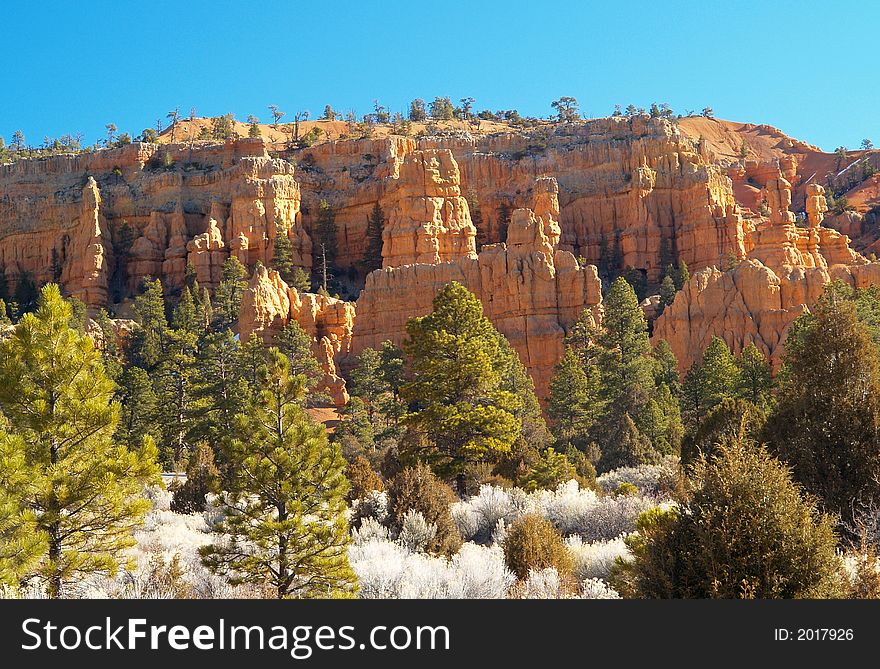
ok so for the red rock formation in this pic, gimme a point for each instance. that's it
(530, 291)
(87, 251)
(269, 304)
(207, 253)
(429, 221)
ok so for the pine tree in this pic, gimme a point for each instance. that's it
(251, 361)
(4, 314)
(825, 424)
(139, 407)
(285, 522)
(574, 404)
(459, 413)
(638, 409)
(681, 275)
(149, 340)
(227, 296)
(86, 492)
(324, 247)
(282, 254)
(219, 389)
(754, 378)
(745, 531)
(21, 542)
(375, 225)
(709, 381)
(185, 314)
(666, 367)
(296, 344)
(177, 406)
(667, 293)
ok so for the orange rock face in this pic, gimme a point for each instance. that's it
(269, 304)
(89, 249)
(530, 291)
(429, 221)
(756, 301)
(183, 206)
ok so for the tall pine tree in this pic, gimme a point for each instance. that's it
(285, 522)
(86, 492)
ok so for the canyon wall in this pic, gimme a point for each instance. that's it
(758, 299)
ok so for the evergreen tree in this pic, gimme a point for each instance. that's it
(825, 424)
(459, 412)
(285, 522)
(574, 404)
(219, 389)
(227, 296)
(744, 532)
(251, 361)
(754, 380)
(367, 382)
(21, 543)
(282, 254)
(636, 406)
(375, 225)
(4, 314)
(149, 340)
(185, 315)
(177, 407)
(324, 249)
(139, 406)
(296, 344)
(300, 280)
(681, 275)
(708, 382)
(85, 491)
(667, 293)
(666, 367)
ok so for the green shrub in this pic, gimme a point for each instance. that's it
(202, 477)
(626, 489)
(363, 479)
(533, 543)
(745, 531)
(417, 488)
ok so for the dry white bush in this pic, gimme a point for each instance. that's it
(651, 480)
(594, 560)
(387, 569)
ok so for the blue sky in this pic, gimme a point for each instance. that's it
(805, 67)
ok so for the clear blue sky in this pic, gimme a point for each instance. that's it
(809, 68)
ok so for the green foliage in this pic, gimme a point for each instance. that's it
(574, 404)
(149, 340)
(460, 412)
(745, 531)
(548, 472)
(373, 255)
(532, 543)
(21, 542)
(418, 489)
(667, 293)
(418, 110)
(202, 478)
(285, 521)
(296, 344)
(828, 411)
(708, 382)
(282, 254)
(441, 109)
(228, 294)
(567, 109)
(84, 492)
(732, 418)
(324, 246)
(754, 381)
